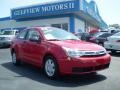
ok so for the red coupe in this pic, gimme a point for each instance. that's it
(57, 51)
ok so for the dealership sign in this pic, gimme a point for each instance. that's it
(49, 8)
(57, 8)
(45, 9)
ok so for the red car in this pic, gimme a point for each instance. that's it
(58, 52)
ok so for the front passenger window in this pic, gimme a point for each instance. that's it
(32, 34)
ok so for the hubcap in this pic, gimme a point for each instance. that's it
(14, 58)
(50, 67)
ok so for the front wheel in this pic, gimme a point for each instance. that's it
(15, 61)
(51, 67)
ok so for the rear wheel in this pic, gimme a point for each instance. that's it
(50, 67)
(15, 61)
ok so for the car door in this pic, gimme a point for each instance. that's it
(114, 41)
(35, 46)
(21, 39)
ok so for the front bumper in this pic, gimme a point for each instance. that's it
(84, 64)
(5, 43)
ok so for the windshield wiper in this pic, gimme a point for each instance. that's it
(53, 40)
(70, 39)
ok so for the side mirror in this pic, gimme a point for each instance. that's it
(35, 38)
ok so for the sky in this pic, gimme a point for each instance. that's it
(109, 9)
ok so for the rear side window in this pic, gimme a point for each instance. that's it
(22, 34)
(32, 33)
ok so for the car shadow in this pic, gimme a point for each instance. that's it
(64, 81)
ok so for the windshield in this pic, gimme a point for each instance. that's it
(117, 34)
(7, 32)
(58, 34)
(98, 34)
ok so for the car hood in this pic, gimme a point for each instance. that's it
(78, 44)
(9, 36)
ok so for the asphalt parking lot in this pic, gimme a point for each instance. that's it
(26, 77)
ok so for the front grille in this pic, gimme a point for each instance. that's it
(93, 55)
(75, 69)
(89, 69)
(101, 67)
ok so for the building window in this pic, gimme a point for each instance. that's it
(63, 26)
(56, 25)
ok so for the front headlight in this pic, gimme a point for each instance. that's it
(74, 52)
(104, 51)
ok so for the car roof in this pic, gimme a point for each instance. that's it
(11, 30)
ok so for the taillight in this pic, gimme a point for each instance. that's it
(118, 41)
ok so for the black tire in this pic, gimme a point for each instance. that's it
(15, 60)
(50, 63)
